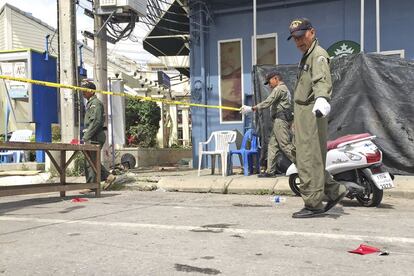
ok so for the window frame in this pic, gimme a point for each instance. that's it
(219, 42)
(269, 35)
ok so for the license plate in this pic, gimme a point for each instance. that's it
(383, 180)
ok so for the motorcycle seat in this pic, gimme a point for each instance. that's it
(334, 144)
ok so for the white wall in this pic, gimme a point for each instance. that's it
(2, 28)
(27, 33)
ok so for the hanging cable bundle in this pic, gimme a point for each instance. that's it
(117, 32)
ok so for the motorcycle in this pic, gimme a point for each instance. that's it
(356, 162)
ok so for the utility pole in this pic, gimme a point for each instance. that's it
(68, 65)
(100, 51)
(100, 71)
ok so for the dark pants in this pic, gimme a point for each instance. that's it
(90, 175)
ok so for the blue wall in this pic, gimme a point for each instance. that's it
(45, 99)
(334, 21)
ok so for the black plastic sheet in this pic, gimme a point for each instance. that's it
(371, 93)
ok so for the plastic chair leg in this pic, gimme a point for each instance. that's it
(245, 164)
(200, 157)
(224, 164)
(230, 165)
(213, 163)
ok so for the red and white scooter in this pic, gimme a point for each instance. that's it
(355, 161)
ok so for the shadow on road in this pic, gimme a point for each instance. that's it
(6, 207)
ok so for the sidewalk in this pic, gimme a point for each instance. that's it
(188, 181)
(185, 180)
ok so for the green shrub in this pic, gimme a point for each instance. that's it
(142, 123)
(78, 166)
(56, 137)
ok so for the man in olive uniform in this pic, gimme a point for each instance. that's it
(312, 93)
(93, 132)
(280, 102)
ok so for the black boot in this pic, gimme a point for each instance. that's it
(308, 213)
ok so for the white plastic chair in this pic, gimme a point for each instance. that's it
(22, 135)
(222, 141)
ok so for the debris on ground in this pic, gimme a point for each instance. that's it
(79, 199)
(364, 249)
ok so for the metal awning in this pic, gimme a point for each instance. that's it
(170, 35)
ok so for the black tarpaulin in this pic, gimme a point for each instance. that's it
(371, 93)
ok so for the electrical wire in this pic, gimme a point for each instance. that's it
(52, 50)
(117, 32)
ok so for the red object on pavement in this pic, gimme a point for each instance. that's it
(365, 249)
(79, 199)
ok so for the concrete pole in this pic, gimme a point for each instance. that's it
(100, 72)
(68, 71)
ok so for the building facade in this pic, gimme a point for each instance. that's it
(221, 41)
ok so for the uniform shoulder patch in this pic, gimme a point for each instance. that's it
(322, 59)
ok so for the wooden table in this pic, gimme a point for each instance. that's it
(60, 165)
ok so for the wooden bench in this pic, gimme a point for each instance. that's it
(60, 165)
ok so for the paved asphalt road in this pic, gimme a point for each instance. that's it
(161, 233)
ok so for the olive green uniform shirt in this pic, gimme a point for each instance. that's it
(94, 121)
(314, 78)
(279, 99)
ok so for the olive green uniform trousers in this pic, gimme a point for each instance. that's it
(310, 141)
(279, 141)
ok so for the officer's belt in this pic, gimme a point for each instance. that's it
(307, 102)
(285, 115)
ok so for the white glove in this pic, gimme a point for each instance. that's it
(245, 109)
(322, 105)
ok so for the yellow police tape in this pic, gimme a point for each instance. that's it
(58, 85)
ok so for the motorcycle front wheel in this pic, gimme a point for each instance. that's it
(294, 183)
(372, 196)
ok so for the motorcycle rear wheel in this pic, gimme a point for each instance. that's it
(294, 183)
(372, 196)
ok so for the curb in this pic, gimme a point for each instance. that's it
(239, 184)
